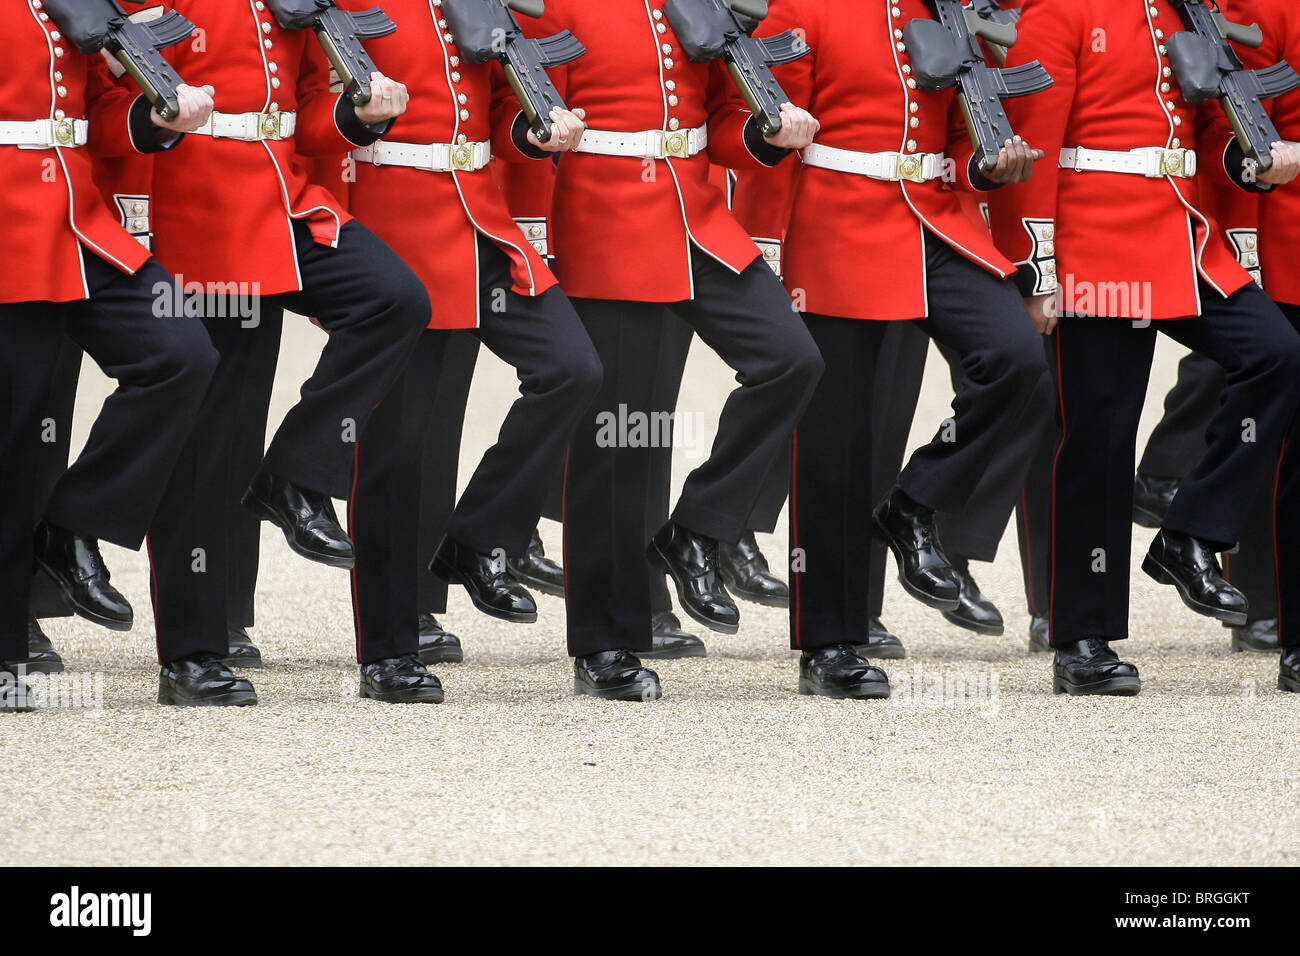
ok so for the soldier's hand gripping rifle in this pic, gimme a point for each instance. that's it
(1206, 66)
(487, 30)
(102, 25)
(721, 29)
(945, 53)
(340, 34)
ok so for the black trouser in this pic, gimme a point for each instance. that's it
(56, 450)
(559, 373)
(1177, 442)
(374, 308)
(440, 470)
(1104, 365)
(674, 347)
(1034, 506)
(984, 321)
(747, 320)
(111, 491)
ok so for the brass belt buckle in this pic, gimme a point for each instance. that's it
(462, 158)
(1175, 163)
(269, 126)
(676, 146)
(65, 133)
(911, 168)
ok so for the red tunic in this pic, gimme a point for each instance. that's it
(1139, 245)
(50, 204)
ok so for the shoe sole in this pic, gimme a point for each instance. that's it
(403, 697)
(754, 598)
(537, 584)
(675, 654)
(442, 657)
(1238, 645)
(235, 699)
(1147, 518)
(1288, 685)
(660, 563)
(81, 610)
(256, 665)
(867, 690)
(265, 513)
(49, 667)
(449, 574)
(1158, 572)
(622, 692)
(889, 654)
(992, 630)
(1111, 687)
(929, 600)
(26, 709)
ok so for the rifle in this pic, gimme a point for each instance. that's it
(721, 29)
(989, 10)
(1206, 66)
(487, 30)
(945, 53)
(95, 25)
(340, 34)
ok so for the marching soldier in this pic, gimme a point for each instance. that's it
(861, 199)
(235, 209)
(97, 285)
(433, 199)
(638, 230)
(1126, 233)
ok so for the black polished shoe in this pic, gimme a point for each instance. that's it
(203, 680)
(1040, 635)
(243, 652)
(615, 675)
(839, 671)
(691, 561)
(1091, 667)
(745, 572)
(74, 564)
(880, 644)
(306, 517)
(436, 645)
(538, 571)
(15, 696)
(668, 641)
(42, 658)
(1255, 636)
(487, 580)
(1193, 569)
(1288, 675)
(974, 612)
(923, 569)
(400, 680)
(1152, 498)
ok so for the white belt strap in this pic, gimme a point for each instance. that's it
(891, 167)
(433, 158)
(249, 127)
(1153, 162)
(652, 144)
(45, 133)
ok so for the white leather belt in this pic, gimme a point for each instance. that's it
(249, 127)
(45, 133)
(891, 167)
(434, 158)
(652, 144)
(1153, 162)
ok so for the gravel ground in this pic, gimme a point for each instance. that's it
(973, 761)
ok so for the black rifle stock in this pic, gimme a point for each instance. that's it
(1207, 67)
(95, 25)
(721, 29)
(340, 34)
(487, 30)
(946, 53)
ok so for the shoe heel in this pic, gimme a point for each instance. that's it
(442, 569)
(1155, 571)
(1059, 687)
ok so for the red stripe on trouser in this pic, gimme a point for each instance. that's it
(794, 535)
(1056, 461)
(1277, 560)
